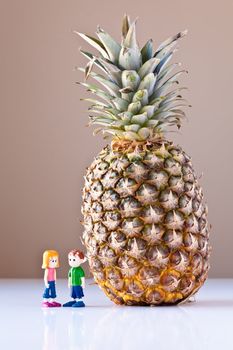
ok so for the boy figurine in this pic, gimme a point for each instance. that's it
(76, 278)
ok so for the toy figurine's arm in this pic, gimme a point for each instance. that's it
(69, 279)
(46, 278)
(83, 282)
(83, 275)
(55, 276)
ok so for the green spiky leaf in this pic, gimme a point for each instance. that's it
(111, 46)
(147, 51)
(138, 99)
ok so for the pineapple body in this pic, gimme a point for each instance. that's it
(145, 225)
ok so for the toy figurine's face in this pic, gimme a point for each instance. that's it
(53, 261)
(75, 261)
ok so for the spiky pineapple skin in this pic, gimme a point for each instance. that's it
(145, 223)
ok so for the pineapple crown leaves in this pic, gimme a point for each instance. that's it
(139, 99)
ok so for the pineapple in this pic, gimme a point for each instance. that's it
(145, 220)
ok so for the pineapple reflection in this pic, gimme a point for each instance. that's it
(142, 328)
(122, 328)
(115, 327)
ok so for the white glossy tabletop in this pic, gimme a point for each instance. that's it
(205, 324)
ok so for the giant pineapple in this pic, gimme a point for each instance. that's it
(145, 221)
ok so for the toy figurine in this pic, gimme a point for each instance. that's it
(76, 278)
(50, 263)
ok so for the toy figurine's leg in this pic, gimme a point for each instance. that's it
(73, 296)
(53, 296)
(46, 298)
(79, 294)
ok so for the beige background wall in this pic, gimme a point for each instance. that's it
(45, 145)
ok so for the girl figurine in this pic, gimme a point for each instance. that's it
(50, 263)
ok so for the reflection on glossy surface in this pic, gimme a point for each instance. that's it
(49, 318)
(102, 325)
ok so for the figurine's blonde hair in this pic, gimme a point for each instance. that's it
(47, 255)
